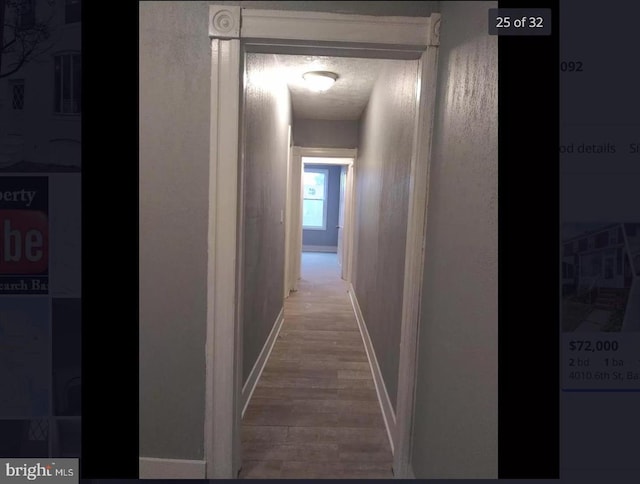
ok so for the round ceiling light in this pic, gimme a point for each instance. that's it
(320, 80)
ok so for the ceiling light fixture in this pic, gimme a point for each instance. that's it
(319, 80)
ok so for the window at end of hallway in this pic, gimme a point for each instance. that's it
(314, 207)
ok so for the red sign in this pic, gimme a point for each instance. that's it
(24, 242)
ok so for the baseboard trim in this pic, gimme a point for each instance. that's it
(258, 367)
(319, 248)
(388, 415)
(410, 473)
(153, 468)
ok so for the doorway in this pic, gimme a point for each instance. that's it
(330, 228)
(338, 230)
(319, 34)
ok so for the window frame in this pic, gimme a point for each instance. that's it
(26, 14)
(325, 172)
(66, 13)
(74, 96)
(13, 83)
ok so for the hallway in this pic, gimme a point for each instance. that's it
(314, 412)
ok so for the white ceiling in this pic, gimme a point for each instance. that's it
(345, 100)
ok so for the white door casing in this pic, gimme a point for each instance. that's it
(223, 372)
(288, 236)
(350, 223)
(341, 218)
(232, 29)
(339, 154)
(414, 260)
(296, 230)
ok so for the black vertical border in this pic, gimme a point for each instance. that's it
(528, 255)
(109, 241)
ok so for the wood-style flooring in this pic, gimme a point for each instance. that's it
(314, 412)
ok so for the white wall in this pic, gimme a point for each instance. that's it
(322, 133)
(175, 71)
(382, 208)
(267, 114)
(456, 420)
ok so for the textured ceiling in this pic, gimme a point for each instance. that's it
(345, 100)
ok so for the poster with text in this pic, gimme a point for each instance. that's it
(24, 230)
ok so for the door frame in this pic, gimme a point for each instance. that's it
(232, 30)
(298, 153)
(289, 205)
(343, 218)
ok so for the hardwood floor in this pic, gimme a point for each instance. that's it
(314, 412)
